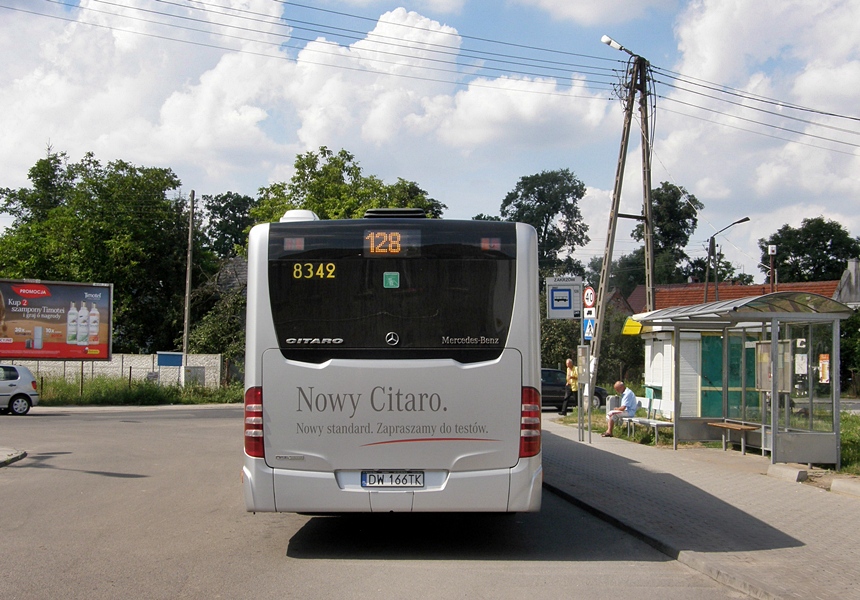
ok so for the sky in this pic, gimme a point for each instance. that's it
(463, 97)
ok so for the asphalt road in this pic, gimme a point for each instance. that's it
(147, 503)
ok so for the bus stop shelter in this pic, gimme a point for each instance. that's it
(764, 369)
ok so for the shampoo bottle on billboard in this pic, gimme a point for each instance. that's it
(83, 325)
(95, 320)
(72, 325)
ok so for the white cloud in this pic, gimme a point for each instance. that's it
(125, 95)
(368, 89)
(742, 168)
(235, 119)
(529, 112)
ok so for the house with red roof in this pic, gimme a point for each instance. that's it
(689, 294)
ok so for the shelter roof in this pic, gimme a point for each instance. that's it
(792, 306)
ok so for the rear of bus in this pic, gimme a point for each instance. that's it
(392, 364)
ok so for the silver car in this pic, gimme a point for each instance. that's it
(18, 389)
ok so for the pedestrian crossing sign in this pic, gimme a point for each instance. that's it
(588, 329)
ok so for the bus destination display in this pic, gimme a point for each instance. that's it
(391, 243)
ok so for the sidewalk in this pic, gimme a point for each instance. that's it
(8, 456)
(717, 512)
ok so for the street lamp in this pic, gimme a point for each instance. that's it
(712, 255)
(613, 44)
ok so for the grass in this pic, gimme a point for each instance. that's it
(849, 430)
(850, 438)
(114, 391)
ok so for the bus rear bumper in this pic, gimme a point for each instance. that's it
(286, 490)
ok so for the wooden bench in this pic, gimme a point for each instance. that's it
(728, 426)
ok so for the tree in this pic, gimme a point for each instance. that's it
(222, 329)
(674, 215)
(558, 338)
(407, 194)
(816, 251)
(51, 184)
(227, 223)
(627, 272)
(549, 202)
(483, 217)
(113, 223)
(333, 186)
(622, 359)
(674, 212)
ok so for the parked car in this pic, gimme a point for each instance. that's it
(552, 389)
(18, 389)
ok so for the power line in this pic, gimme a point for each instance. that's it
(290, 3)
(762, 110)
(778, 127)
(749, 96)
(362, 34)
(554, 67)
(761, 133)
(283, 57)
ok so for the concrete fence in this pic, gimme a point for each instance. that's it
(205, 369)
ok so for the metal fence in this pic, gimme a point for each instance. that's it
(205, 369)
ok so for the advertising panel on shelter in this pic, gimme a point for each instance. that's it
(50, 320)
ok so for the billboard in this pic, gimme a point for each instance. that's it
(51, 320)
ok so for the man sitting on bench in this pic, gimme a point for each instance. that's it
(627, 408)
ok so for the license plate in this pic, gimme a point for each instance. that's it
(392, 479)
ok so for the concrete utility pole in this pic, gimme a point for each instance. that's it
(638, 82)
(187, 287)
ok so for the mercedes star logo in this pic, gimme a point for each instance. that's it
(392, 339)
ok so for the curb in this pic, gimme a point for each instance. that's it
(8, 456)
(787, 472)
(693, 560)
(850, 487)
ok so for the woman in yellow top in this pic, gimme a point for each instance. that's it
(572, 390)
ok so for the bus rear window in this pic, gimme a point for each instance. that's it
(399, 289)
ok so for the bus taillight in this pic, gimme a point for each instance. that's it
(530, 423)
(254, 422)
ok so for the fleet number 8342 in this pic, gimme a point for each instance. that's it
(314, 271)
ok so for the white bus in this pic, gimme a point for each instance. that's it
(392, 365)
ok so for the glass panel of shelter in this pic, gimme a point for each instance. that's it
(804, 351)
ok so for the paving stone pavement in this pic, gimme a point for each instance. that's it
(718, 512)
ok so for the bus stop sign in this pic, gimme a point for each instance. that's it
(564, 297)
